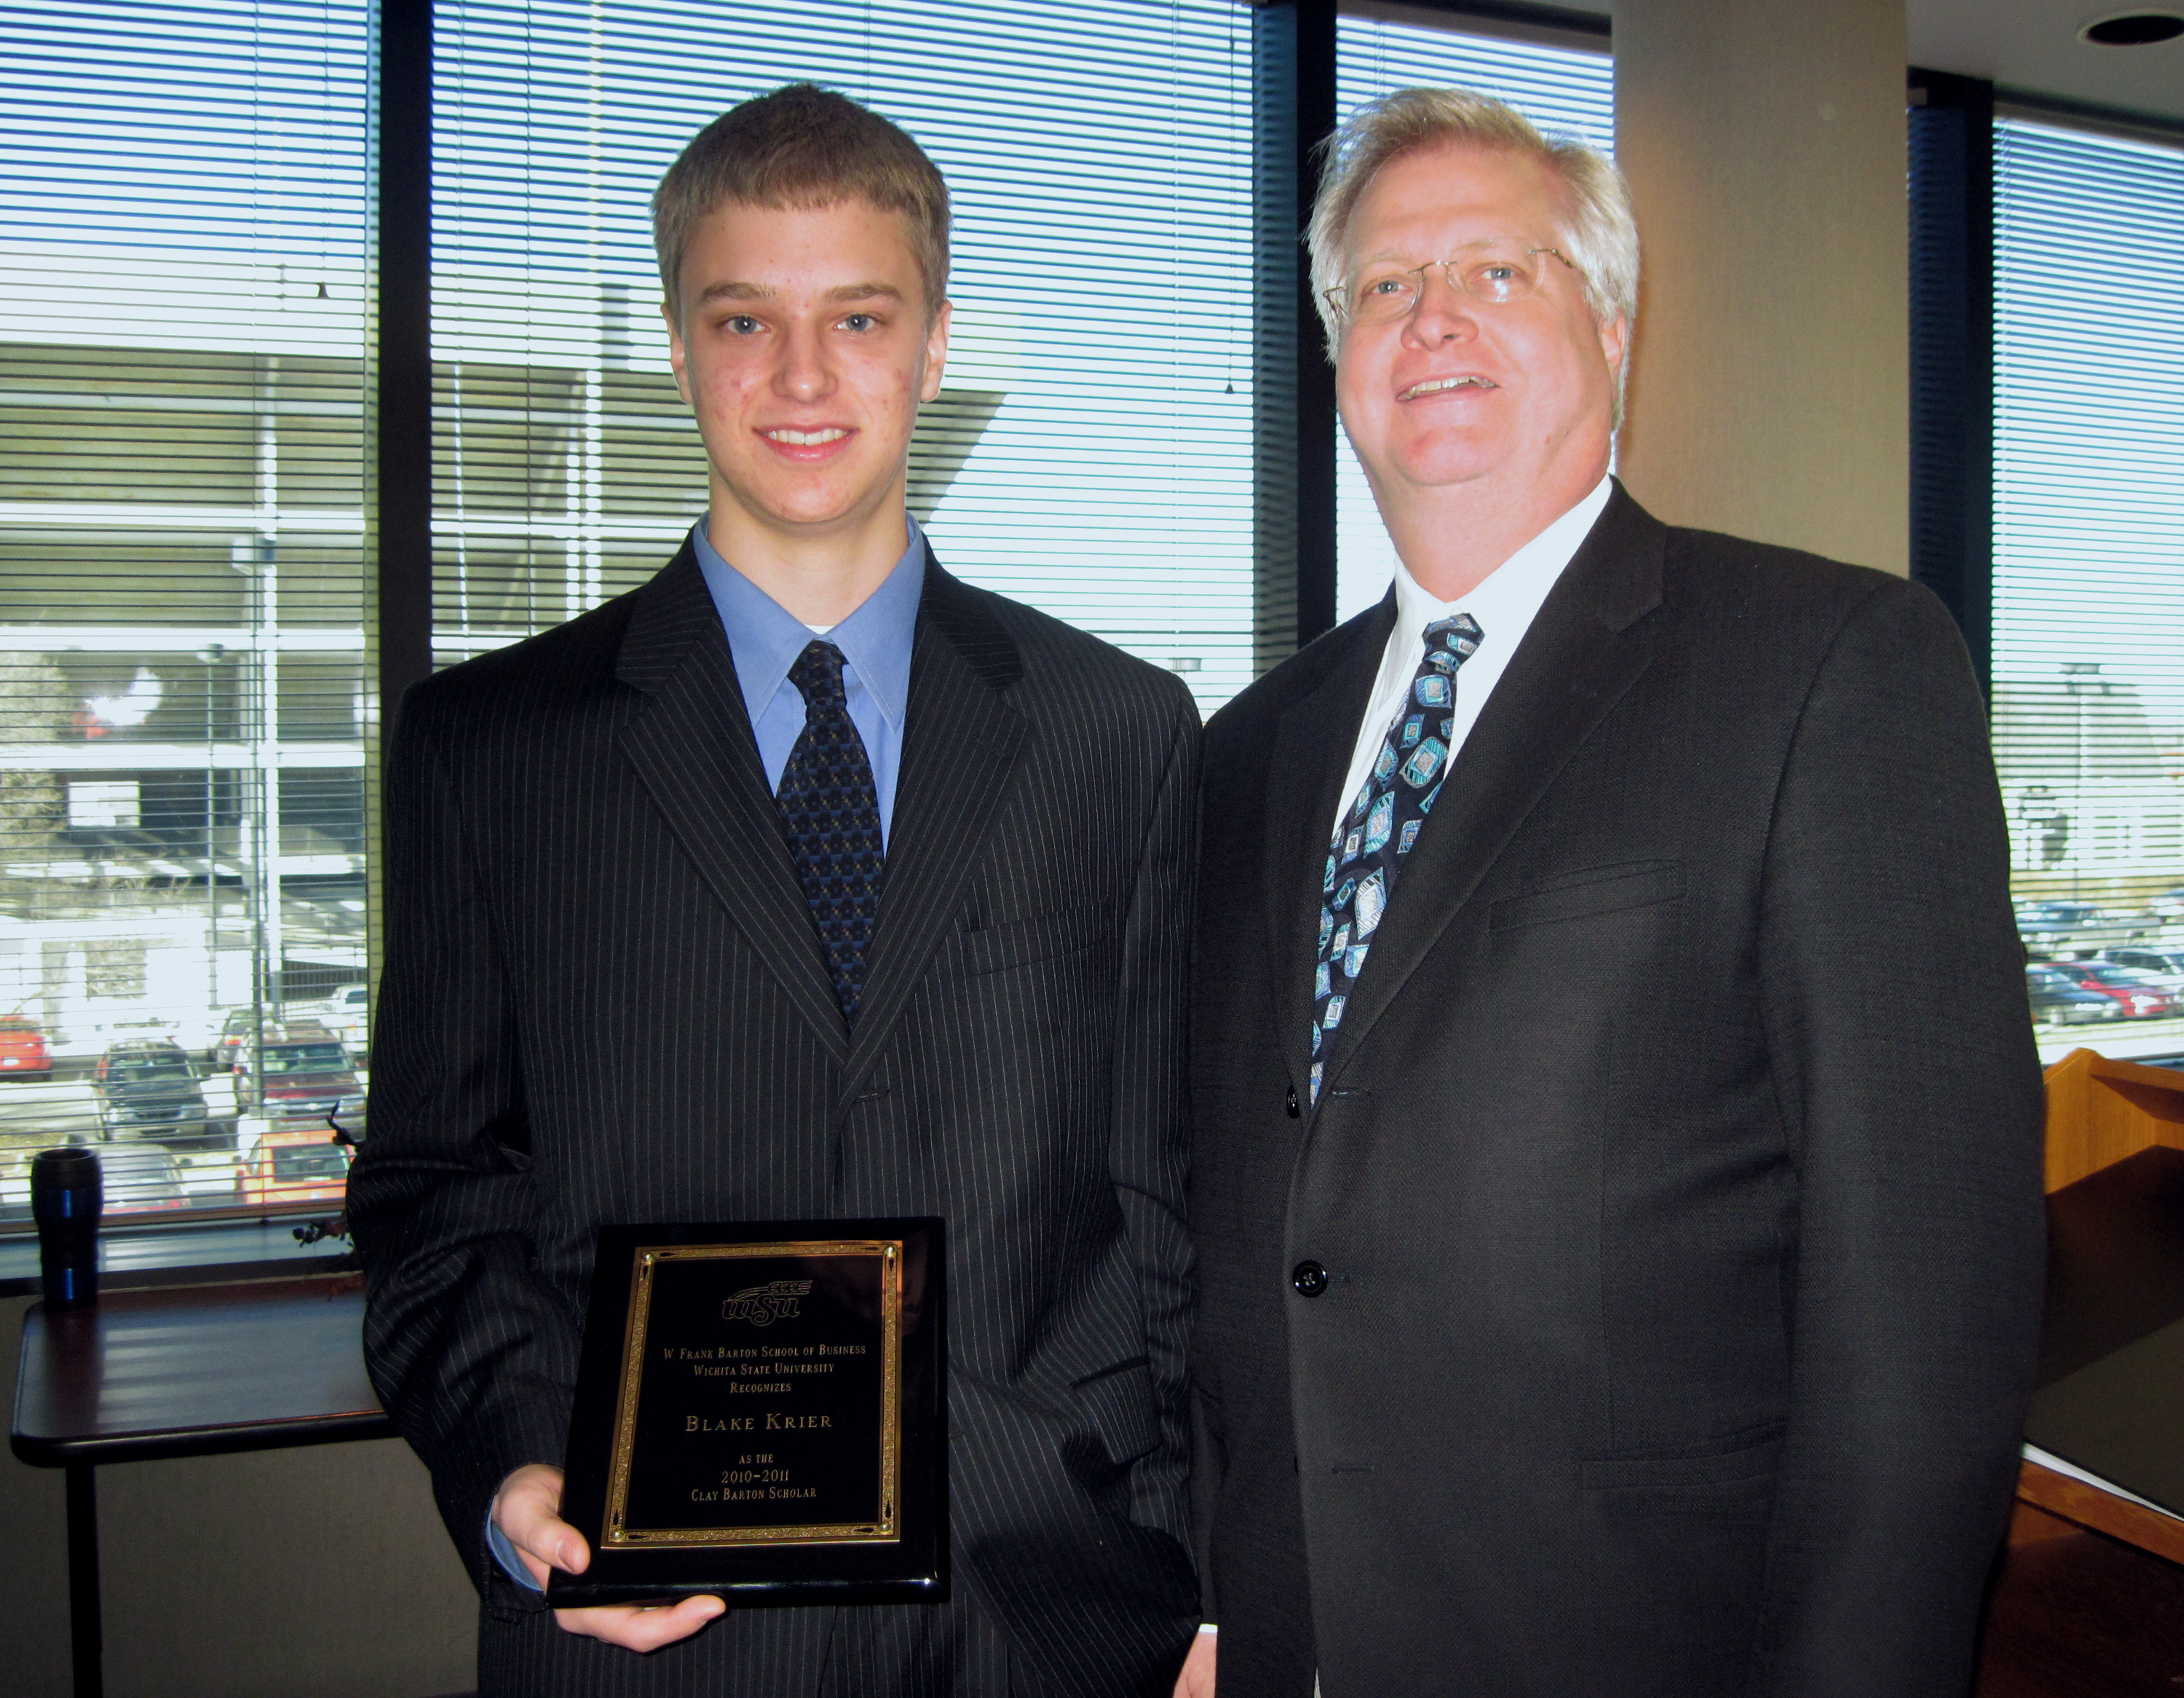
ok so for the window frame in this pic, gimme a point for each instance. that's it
(1294, 424)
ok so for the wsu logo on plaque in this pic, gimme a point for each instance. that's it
(764, 1304)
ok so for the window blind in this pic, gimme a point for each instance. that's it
(1565, 90)
(1090, 450)
(182, 702)
(2089, 531)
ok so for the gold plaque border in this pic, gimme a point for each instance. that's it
(617, 1534)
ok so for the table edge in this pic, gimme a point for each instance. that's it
(41, 1451)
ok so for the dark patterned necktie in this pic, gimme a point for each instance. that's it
(1381, 823)
(832, 814)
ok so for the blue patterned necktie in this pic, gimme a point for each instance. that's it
(831, 812)
(1381, 824)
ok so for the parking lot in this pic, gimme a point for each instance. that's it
(37, 1114)
(2073, 935)
(2118, 1040)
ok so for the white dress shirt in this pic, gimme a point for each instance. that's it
(1504, 603)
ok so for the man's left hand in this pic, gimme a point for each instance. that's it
(528, 1511)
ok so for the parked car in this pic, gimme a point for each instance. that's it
(346, 1014)
(227, 1049)
(148, 1090)
(135, 1178)
(2074, 927)
(139, 1178)
(2163, 966)
(2059, 1000)
(292, 1163)
(2168, 905)
(347, 1119)
(294, 1072)
(24, 1052)
(2143, 997)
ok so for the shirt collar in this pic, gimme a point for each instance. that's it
(1507, 597)
(764, 638)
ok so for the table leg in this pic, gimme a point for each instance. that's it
(83, 1579)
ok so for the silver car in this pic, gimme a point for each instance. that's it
(2163, 966)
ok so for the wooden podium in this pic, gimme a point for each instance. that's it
(2090, 1598)
(2101, 1113)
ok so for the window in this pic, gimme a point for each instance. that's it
(2088, 609)
(1090, 452)
(1565, 90)
(184, 712)
(182, 702)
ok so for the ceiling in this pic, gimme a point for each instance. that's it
(2033, 45)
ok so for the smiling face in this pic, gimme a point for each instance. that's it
(1515, 400)
(805, 348)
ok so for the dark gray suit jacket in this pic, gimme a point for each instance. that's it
(1677, 1178)
(605, 1002)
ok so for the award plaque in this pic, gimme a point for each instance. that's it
(760, 1414)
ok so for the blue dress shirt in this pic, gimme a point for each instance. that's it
(764, 639)
(875, 641)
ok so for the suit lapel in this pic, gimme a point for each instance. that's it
(960, 743)
(1313, 740)
(692, 744)
(1587, 645)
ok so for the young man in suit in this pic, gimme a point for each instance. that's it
(803, 882)
(1616, 1164)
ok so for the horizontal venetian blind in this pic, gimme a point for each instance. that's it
(182, 698)
(2089, 517)
(1565, 90)
(1090, 452)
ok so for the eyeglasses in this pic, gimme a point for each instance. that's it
(1380, 295)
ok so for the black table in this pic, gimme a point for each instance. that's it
(198, 1371)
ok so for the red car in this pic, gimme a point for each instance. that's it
(297, 1072)
(23, 1046)
(2141, 998)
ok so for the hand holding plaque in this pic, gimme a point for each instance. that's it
(760, 1414)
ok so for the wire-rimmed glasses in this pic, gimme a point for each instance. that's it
(1491, 274)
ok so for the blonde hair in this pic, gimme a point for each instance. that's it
(1598, 235)
(802, 146)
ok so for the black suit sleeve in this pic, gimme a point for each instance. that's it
(1900, 1041)
(1150, 1156)
(472, 1356)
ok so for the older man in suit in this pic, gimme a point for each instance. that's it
(1616, 1171)
(804, 881)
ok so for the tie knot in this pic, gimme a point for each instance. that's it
(817, 674)
(1451, 641)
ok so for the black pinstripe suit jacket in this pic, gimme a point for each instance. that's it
(604, 1001)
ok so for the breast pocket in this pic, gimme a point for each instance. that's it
(1738, 1460)
(1590, 891)
(1017, 943)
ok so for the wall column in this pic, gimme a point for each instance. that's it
(1764, 141)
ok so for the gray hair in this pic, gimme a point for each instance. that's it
(1598, 233)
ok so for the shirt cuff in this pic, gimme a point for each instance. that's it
(1209, 1627)
(503, 1553)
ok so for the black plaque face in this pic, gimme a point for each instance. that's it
(760, 1395)
(758, 1415)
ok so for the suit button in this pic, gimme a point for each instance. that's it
(1309, 1278)
(1290, 1104)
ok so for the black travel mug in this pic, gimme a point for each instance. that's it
(66, 1194)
